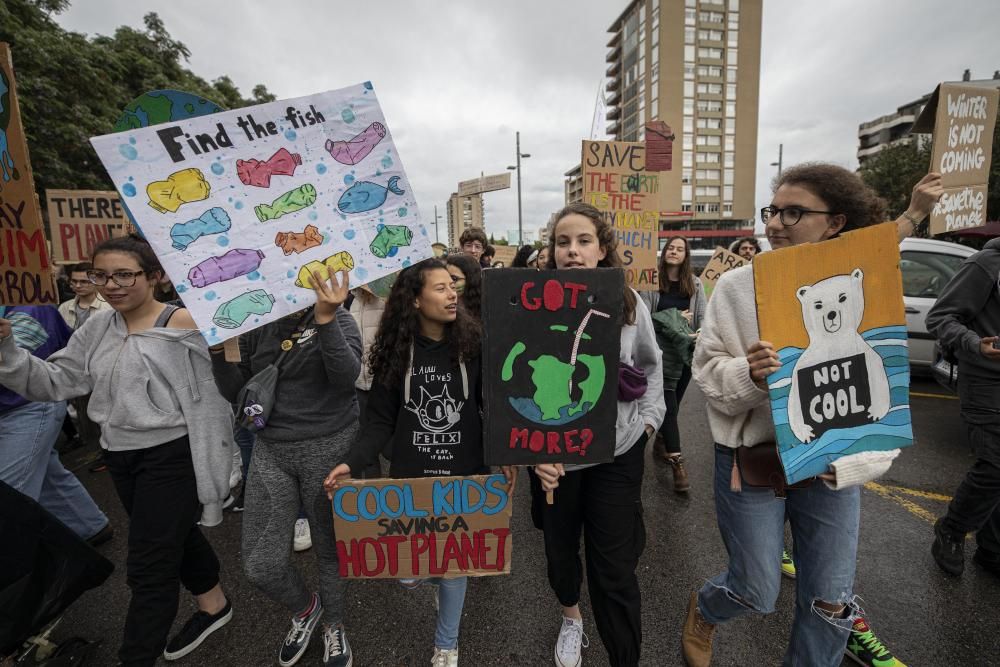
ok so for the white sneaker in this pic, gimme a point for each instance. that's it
(571, 640)
(445, 657)
(303, 538)
(236, 472)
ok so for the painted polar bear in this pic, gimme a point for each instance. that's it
(832, 310)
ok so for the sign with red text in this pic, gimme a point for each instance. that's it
(25, 278)
(964, 119)
(615, 181)
(722, 260)
(550, 365)
(427, 527)
(80, 219)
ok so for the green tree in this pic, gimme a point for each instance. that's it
(71, 87)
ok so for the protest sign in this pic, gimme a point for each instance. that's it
(964, 117)
(25, 277)
(80, 219)
(550, 383)
(834, 312)
(242, 207)
(722, 260)
(505, 254)
(615, 181)
(483, 184)
(427, 527)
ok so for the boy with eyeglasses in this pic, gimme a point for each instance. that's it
(86, 302)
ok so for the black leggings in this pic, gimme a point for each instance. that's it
(672, 398)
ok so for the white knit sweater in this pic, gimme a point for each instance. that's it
(738, 410)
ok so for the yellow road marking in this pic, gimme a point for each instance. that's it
(892, 493)
(923, 395)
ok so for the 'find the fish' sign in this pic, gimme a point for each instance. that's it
(551, 365)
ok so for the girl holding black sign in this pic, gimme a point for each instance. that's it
(603, 501)
(426, 400)
(811, 203)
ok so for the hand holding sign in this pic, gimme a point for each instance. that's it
(763, 361)
(5, 328)
(329, 295)
(987, 347)
(336, 476)
(549, 474)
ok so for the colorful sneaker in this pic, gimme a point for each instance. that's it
(297, 639)
(195, 631)
(948, 551)
(445, 657)
(864, 648)
(303, 538)
(336, 650)
(787, 565)
(572, 639)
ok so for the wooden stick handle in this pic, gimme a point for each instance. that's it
(550, 497)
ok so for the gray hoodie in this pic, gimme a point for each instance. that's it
(147, 389)
(969, 310)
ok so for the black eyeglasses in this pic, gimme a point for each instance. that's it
(789, 216)
(120, 278)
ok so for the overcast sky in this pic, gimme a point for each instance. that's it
(457, 79)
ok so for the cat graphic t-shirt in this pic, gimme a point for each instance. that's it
(432, 419)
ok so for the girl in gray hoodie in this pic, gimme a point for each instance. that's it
(168, 433)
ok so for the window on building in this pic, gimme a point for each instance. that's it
(685, 176)
(689, 124)
(686, 192)
(690, 16)
(729, 160)
(728, 177)
(731, 90)
(727, 192)
(730, 143)
(730, 109)
(689, 34)
(708, 157)
(710, 88)
(688, 159)
(709, 123)
(689, 53)
(733, 38)
(687, 141)
(688, 106)
(707, 174)
(654, 109)
(707, 190)
(689, 72)
(730, 126)
(699, 208)
(708, 52)
(710, 35)
(731, 75)
(709, 105)
(711, 17)
(730, 56)
(686, 208)
(709, 70)
(734, 5)
(711, 207)
(689, 89)
(690, 3)
(708, 140)
(734, 21)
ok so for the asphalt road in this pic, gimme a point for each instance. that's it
(923, 616)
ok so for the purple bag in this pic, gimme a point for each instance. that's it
(631, 382)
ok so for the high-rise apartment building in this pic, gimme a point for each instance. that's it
(694, 64)
(464, 212)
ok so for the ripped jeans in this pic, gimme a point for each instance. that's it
(825, 540)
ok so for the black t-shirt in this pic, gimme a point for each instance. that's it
(673, 298)
(438, 431)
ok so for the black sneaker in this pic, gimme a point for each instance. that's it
(297, 639)
(987, 560)
(948, 551)
(196, 630)
(336, 649)
(237, 506)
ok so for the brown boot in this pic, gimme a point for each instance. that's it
(696, 642)
(681, 483)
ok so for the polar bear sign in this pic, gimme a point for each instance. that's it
(834, 312)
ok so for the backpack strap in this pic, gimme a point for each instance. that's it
(165, 315)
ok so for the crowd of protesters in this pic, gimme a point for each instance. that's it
(138, 378)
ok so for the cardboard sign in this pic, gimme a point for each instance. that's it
(482, 184)
(550, 383)
(964, 119)
(80, 219)
(242, 207)
(25, 277)
(427, 527)
(834, 312)
(505, 254)
(615, 181)
(722, 261)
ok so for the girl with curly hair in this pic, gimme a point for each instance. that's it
(426, 381)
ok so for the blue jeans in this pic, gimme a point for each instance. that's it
(245, 440)
(30, 464)
(451, 601)
(825, 539)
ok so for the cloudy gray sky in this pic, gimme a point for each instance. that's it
(457, 79)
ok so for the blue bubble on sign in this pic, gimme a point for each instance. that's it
(210, 296)
(223, 241)
(128, 190)
(128, 152)
(348, 179)
(313, 215)
(181, 288)
(386, 162)
(406, 263)
(131, 140)
(393, 251)
(290, 135)
(401, 212)
(348, 234)
(238, 205)
(218, 169)
(290, 273)
(361, 272)
(254, 275)
(321, 168)
(347, 115)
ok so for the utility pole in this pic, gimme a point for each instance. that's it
(437, 236)
(517, 167)
(778, 163)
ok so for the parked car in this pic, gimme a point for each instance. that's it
(927, 265)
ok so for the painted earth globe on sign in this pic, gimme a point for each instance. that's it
(563, 391)
(163, 106)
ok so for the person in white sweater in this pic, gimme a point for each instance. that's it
(602, 501)
(811, 203)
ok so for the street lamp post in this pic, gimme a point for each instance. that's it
(778, 163)
(517, 168)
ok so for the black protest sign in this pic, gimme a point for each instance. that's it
(550, 365)
(835, 394)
